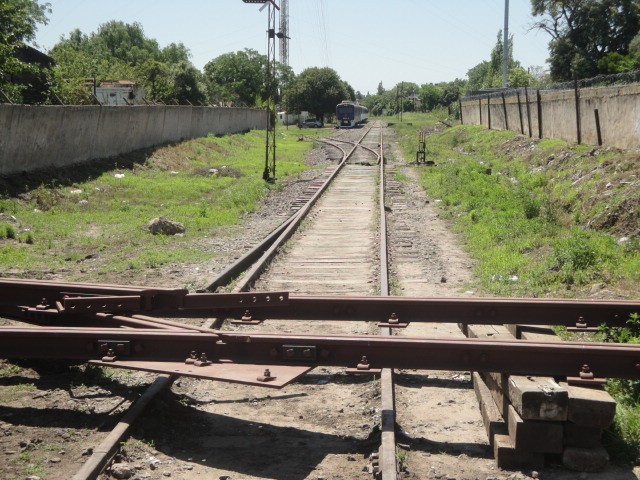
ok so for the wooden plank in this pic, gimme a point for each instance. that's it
(509, 458)
(493, 421)
(581, 436)
(590, 406)
(534, 436)
(538, 398)
(497, 382)
(534, 398)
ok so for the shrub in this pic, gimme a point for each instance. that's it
(575, 252)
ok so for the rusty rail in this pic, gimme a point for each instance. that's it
(55, 302)
(387, 454)
(117, 346)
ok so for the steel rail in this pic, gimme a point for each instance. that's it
(362, 146)
(516, 357)
(107, 448)
(254, 271)
(75, 302)
(245, 261)
(483, 311)
(388, 456)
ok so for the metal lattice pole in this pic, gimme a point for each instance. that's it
(269, 173)
(284, 32)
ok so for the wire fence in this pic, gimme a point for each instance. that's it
(625, 78)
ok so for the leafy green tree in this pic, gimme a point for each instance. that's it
(187, 85)
(430, 96)
(351, 93)
(519, 77)
(236, 76)
(125, 42)
(375, 103)
(452, 91)
(614, 62)
(18, 24)
(175, 53)
(405, 92)
(480, 76)
(317, 90)
(488, 74)
(584, 32)
(122, 51)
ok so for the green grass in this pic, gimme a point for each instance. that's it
(537, 216)
(9, 370)
(525, 222)
(406, 131)
(11, 393)
(204, 183)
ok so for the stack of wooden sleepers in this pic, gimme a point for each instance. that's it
(533, 421)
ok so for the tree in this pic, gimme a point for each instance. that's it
(317, 90)
(186, 83)
(124, 41)
(614, 62)
(380, 90)
(430, 96)
(351, 93)
(452, 91)
(488, 74)
(122, 51)
(405, 100)
(584, 32)
(18, 24)
(519, 77)
(238, 76)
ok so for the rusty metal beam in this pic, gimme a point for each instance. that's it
(488, 311)
(512, 357)
(48, 300)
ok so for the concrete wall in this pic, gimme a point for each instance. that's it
(33, 137)
(618, 108)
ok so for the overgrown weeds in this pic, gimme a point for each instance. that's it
(528, 211)
(205, 184)
(624, 434)
(545, 218)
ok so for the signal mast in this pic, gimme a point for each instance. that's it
(269, 173)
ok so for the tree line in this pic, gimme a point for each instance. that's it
(587, 38)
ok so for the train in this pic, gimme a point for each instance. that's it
(350, 114)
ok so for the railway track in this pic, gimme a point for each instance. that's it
(327, 425)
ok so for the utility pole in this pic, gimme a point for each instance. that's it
(269, 173)
(505, 45)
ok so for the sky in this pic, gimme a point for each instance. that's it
(365, 41)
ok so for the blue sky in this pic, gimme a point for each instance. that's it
(365, 41)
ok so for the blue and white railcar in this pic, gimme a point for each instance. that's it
(349, 114)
